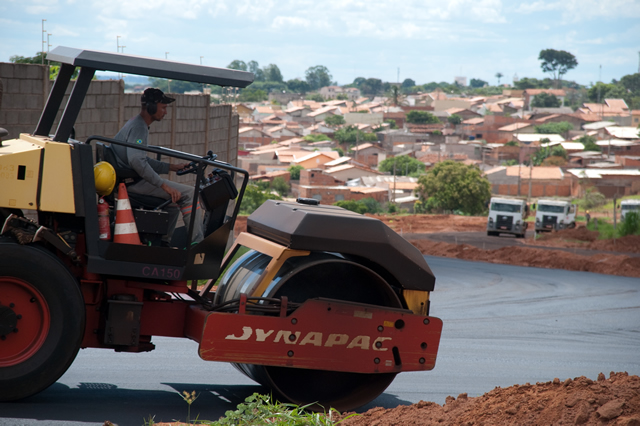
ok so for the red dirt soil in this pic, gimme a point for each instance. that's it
(612, 401)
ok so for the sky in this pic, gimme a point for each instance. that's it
(428, 40)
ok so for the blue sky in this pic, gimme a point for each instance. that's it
(428, 40)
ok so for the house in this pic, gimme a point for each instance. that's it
(318, 128)
(251, 137)
(347, 172)
(331, 92)
(624, 133)
(316, 184)
(528, 138)
(607, 182)
(281, 132)
(322, 113)
(369, 154)
(317, 159)
(516, 180)
(463, 113)
(270, 176)
(260, 112)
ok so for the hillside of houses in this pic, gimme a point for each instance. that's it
(523, 150)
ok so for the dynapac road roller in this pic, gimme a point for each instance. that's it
(319, 304)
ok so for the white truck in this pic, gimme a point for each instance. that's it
(555, 215)
(627, 206)
(507, 216)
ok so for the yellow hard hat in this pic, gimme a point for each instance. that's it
(105, 176)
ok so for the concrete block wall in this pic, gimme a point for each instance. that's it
(24, 91)
(191, 124)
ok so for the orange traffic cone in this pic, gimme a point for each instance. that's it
(126, 231)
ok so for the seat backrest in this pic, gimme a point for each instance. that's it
(106, 153)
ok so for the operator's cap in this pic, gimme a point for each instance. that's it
(155, 96)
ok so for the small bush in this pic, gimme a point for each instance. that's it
(630, 225)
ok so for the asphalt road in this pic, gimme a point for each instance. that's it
(502, 325)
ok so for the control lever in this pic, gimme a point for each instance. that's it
(192, 166)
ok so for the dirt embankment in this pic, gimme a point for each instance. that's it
(582, 401)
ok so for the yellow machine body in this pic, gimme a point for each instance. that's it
(30, 161)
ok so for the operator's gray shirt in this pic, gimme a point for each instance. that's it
(136, 131)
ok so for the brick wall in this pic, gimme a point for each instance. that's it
(191, 125)
(537, 190)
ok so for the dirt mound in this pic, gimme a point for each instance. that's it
(581, 401)
(628, 244)
(580, 233)
(581, 237)
(541, 258)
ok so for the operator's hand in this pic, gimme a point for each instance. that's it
(174, 193)
(178, 166)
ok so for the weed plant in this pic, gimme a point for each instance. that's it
(258, 410)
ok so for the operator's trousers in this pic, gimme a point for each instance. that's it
(184, 206)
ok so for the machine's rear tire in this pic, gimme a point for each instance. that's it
(302, 278)
(42, 317)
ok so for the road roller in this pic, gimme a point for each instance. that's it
(321, 305)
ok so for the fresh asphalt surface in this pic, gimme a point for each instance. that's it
(503, 325)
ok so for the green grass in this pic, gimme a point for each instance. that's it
(262, 410)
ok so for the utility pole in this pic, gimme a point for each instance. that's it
(43, 33)
(530, 174)
(48, 46)
(166, 56)
(201, 64)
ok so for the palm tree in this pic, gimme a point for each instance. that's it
(499, 76)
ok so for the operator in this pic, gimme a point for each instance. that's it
(136, 131)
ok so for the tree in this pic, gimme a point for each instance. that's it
(237, 64)
(454, 119)
(589, 143)
(499, 75)
(403, 164)
(177, 86)
(557, 62)
(352, 205)
(351, 135)
(298, 86)
(334, 120)
(407, 83)
(280, 186)
(252, 95)
(371, 87)
(421, 117)
(318, 76)
(254, 197)
(455, 186)
(554, 128)
(54, 67)
(545, 100)
(294, 171)
(476, 83)
(272, 73)
(315, 97)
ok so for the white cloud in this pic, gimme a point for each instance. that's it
(288, 22)
(583, 10)
(39, 7)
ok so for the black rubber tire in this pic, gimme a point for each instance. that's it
(300, 280)
(48, 277)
